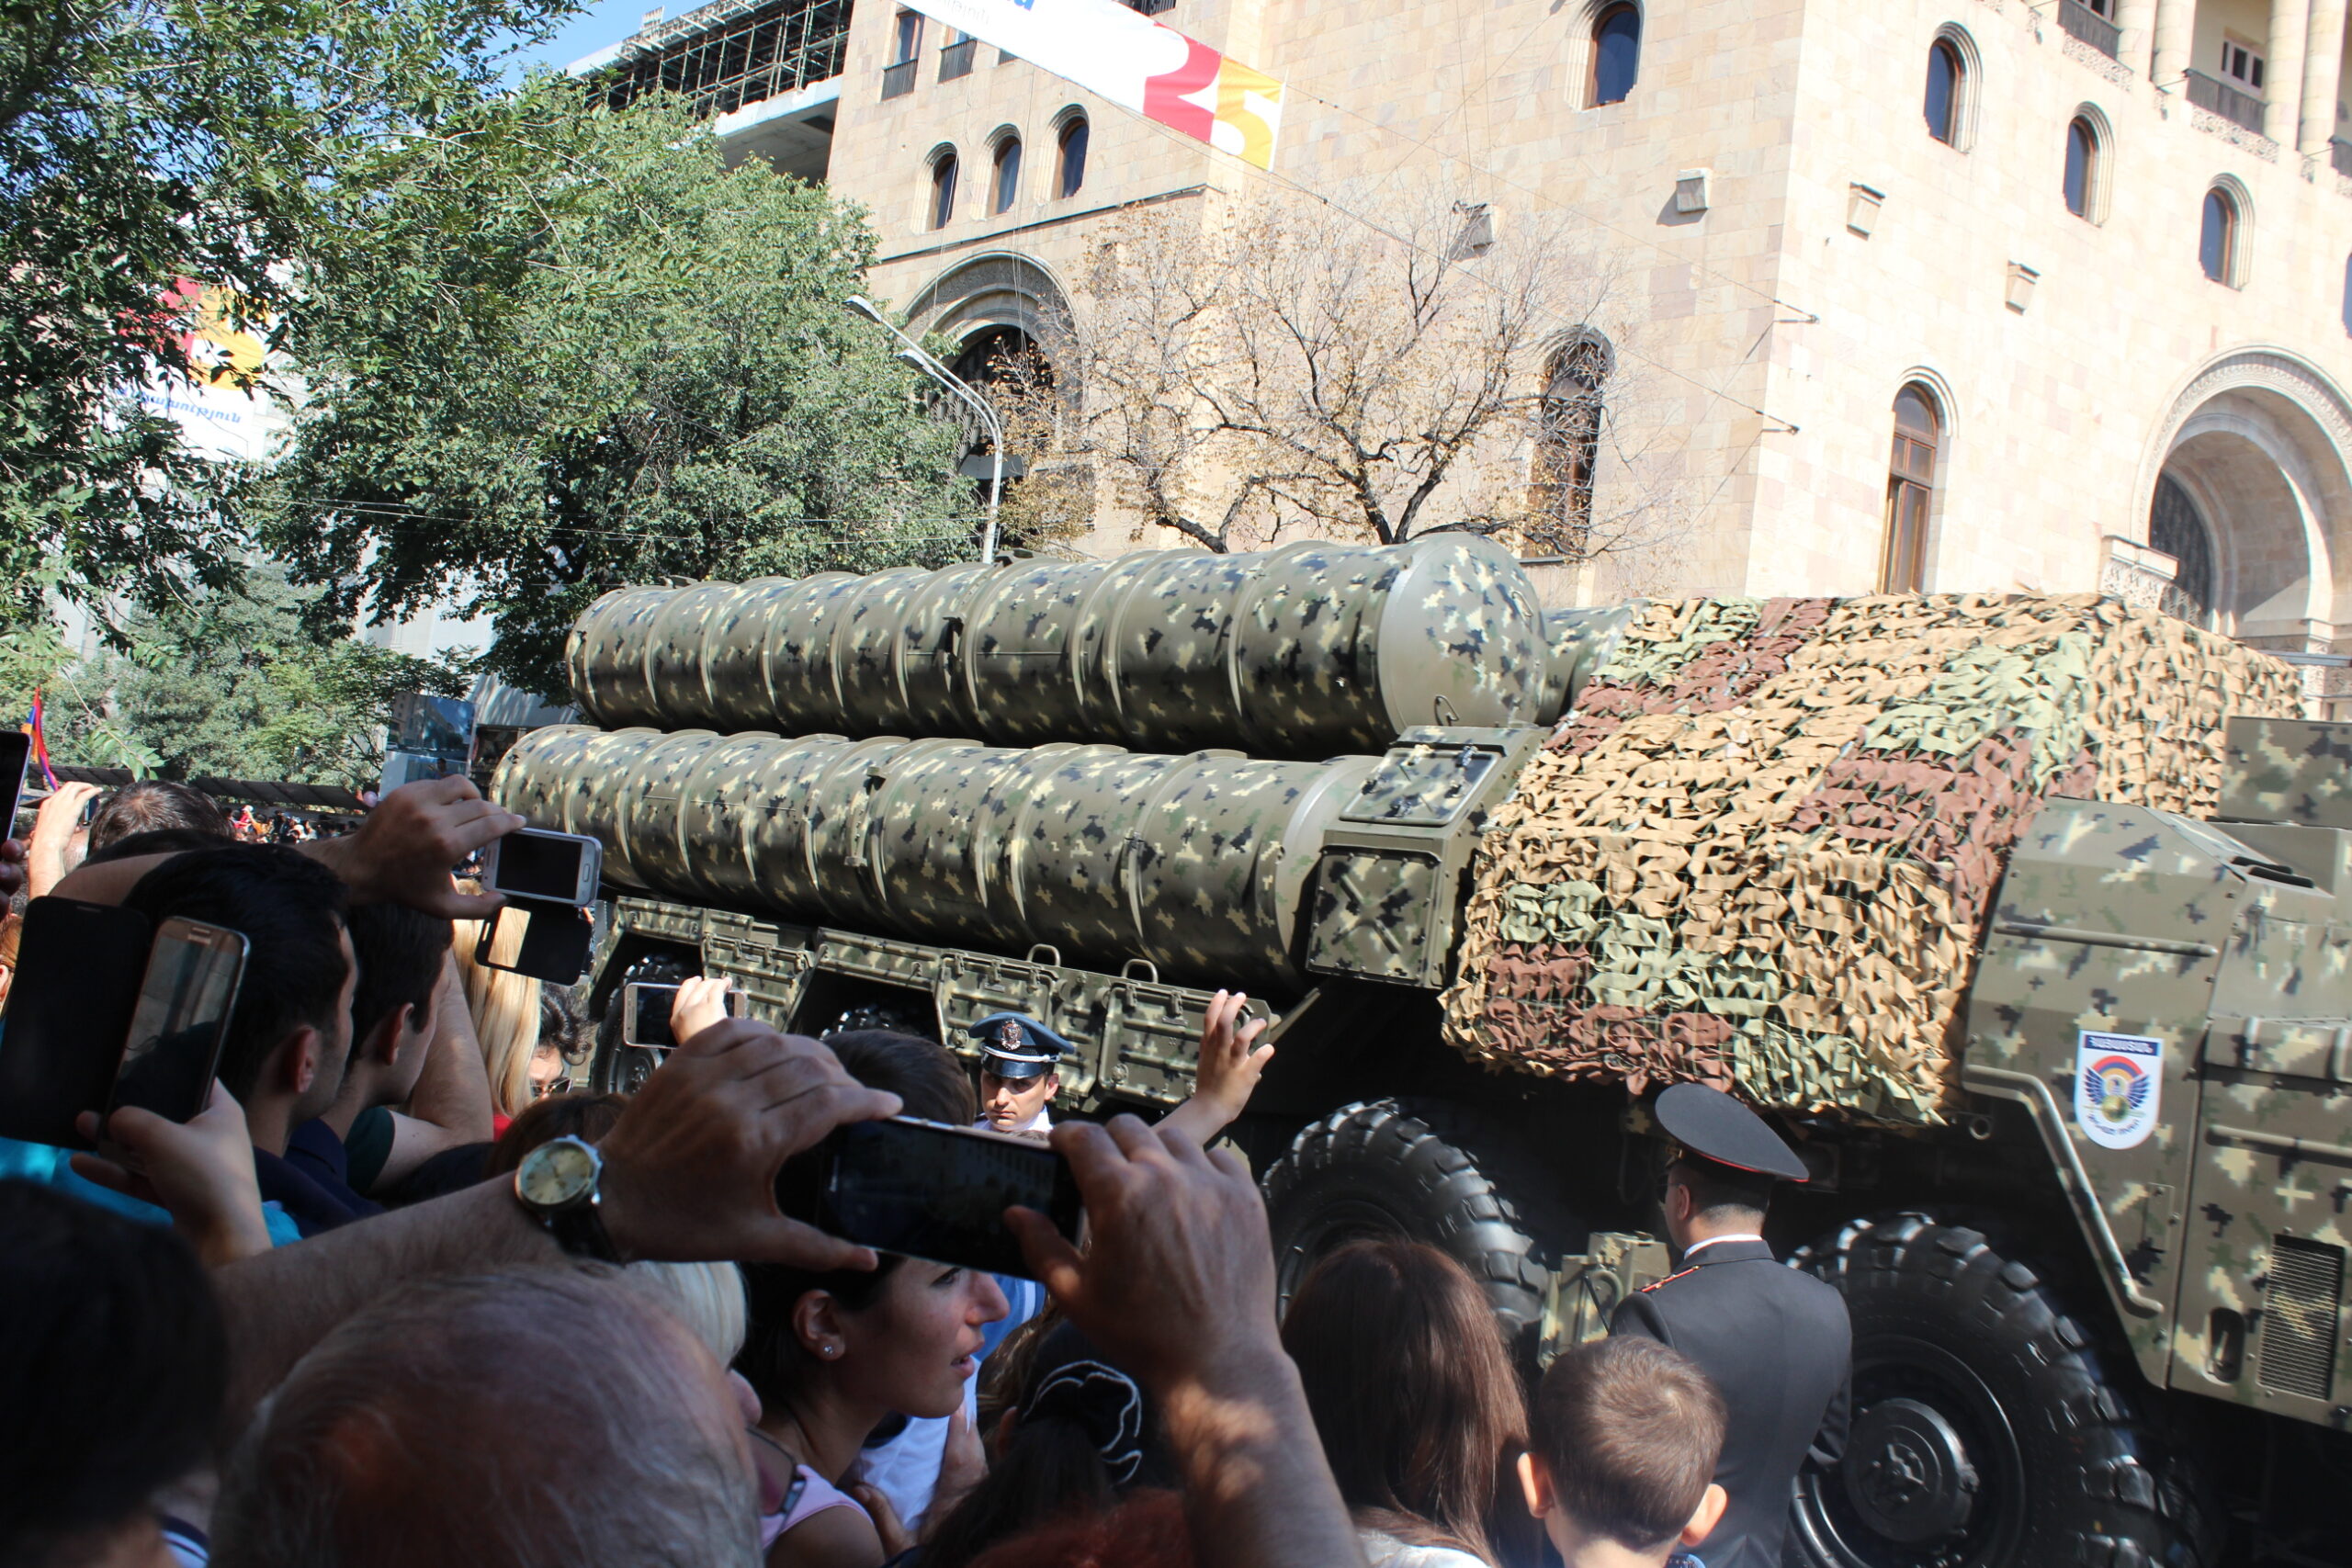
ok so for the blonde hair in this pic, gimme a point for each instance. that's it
(708, 1298)
(505, 1010)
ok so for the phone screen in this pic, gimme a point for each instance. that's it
(546, 941)
(539, 866)
(647, 1005)
(937, 1192)
(649, 1015)
(15, 752)
(182, 1017)
(78, 972)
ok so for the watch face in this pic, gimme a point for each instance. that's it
(557, 1174)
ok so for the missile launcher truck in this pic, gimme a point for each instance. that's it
(2022, 919)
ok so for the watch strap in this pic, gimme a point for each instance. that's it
(580, 1232)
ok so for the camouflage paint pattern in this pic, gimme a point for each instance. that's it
(1198, 863)
(1309, 650)
(2288, 771)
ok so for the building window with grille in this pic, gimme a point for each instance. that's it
(2082, 167)
(2176, 527)
(1616, 55)
(943, 189)
(1071, 153)
(1006, 184)
(1910, 490)
(2219, 243)
(1947, 84)
(1567, 450)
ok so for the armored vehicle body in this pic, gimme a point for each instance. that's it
(2025, 919)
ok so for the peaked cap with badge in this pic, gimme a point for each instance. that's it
(1014, 1046)
(1775, 1341)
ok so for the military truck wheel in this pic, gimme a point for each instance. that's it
(1429, 1171)
(1986, 1432)
(619, 1068)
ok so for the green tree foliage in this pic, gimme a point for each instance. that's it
(143, 141)
(559, 350)
(229, 685)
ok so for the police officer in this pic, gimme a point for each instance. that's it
(1018, 1080)
(1776, 1341)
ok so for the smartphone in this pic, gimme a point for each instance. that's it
(645, 1014)
(16, 752)
(176, 1030)
(546, 941)
(79, 968)
(530, 863)
(930, 1190)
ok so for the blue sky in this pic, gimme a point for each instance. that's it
(600, 23)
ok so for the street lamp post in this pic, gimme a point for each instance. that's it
(913, 354)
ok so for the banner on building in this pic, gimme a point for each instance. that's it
(1127, 58)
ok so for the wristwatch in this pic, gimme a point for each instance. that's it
(557, 1183)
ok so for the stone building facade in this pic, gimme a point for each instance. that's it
(2084, 267)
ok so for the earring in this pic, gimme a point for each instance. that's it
(832, 1350)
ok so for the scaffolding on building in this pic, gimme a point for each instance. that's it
(737, 53)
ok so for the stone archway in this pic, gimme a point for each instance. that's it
(2250, 493)
(996, 288)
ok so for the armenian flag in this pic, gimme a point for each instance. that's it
(32, 726)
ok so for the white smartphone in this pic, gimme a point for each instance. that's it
(552, 868)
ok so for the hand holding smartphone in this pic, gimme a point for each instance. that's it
(540, 866)
(648, 1014)
(929, 1191)
(182, 1019)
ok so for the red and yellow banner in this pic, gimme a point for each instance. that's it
(1132, 61)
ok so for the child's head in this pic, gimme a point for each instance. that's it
(1624, 1439)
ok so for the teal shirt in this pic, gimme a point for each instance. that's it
(48, 1167)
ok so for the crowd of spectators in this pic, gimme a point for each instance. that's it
(313, 1325)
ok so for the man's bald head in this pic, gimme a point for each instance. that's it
(542, 1416)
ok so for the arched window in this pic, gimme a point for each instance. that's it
(1616, 53)
(2217, 239)
(1910, 488)
(1567, 449)
(1007, 184)
(942, 190)
(2176, 527)
(1947, 77)
(2082, 166)
(1072, 155)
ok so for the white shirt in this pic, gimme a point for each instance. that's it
(1712, 1239)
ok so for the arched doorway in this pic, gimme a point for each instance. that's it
(2252, 499)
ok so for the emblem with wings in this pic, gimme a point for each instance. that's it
(2116, 1088)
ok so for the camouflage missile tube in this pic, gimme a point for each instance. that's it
(1197, 863)
(1308, 652)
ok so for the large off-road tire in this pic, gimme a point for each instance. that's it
(617, 1067)
(1430, 1171)
(1986, 1431)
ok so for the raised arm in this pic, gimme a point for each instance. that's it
(1232, 1061)
(1177, 1286)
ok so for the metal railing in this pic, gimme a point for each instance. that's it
(2080, 21)
(2217, 97)
(898, 80)
(2339, 153)
(955, 59)
(755, 52)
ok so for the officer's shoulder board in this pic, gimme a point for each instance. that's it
(1658, 1284)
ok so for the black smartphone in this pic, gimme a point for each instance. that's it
(78, 972)
(531, 862)
(645, 1014)
(546, 941)
(16, 754)
(930, 1190)
(176, 1030)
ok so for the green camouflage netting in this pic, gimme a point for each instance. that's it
(1758, 853)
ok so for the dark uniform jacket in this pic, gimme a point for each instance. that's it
(1777, 1344)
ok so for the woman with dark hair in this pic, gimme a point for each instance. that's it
(1080, 1437)
(833, 1355)
(1414, 1397)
